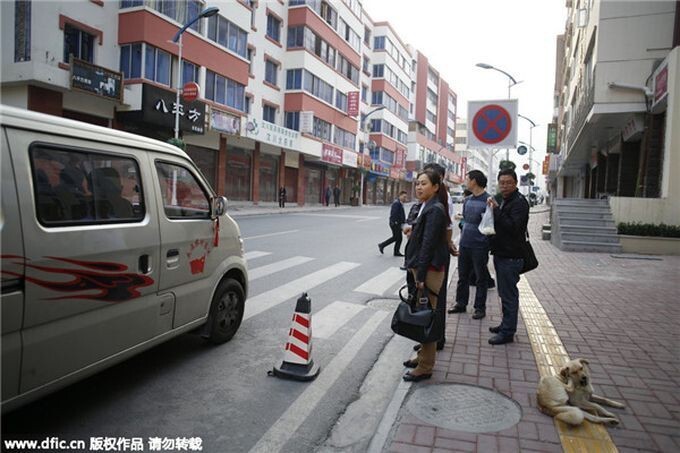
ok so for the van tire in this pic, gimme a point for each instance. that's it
(226, 311)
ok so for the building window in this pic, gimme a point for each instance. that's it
(131, 60)
(248, 104)
(341, 100)
(296, 37)
(379, 42)
(431, 116)
(293, 120)
(224, 91)
(78, 43)
(366, 65)
(157, 65)
(329, 14)
(228, 34)
(364, 93)
(378, 70)
(250, 54)
(179, 11)
(22, 30)
(189, 72)
(367, 37)
(317, 87)
(344, 138)
(270, 72)
(322, 129)
(294, 79)
(273, 28)
(269, 113)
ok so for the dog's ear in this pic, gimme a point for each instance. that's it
(564, 372)
(583, 361)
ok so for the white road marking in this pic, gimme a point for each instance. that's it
(278, 266)
(381, 283)
(255, 254)
(284, 428)
(271, 234)
(332, 317)
(265, 301)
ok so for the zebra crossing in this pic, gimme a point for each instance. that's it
(380, 284)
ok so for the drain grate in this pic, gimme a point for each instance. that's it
(461, 407)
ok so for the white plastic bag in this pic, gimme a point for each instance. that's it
(486, 225)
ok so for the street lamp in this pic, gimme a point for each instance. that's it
(366, 128)
(531, 148)
(211, 11)
(511, 83)
(511, 80)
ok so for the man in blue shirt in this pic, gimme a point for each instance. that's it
(474, 248)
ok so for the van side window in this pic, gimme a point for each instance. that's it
(183, 196)
(79, 187)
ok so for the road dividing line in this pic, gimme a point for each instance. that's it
(550, 356)
(327, 321)
(255, 254)
(271, 234)
(284, 428)
(381, 283)
(263, 271)
(265, 301)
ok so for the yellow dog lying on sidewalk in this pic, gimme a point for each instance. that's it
(569, 396)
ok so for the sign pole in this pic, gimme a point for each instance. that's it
(179, 78)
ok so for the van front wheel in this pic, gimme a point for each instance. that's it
(226, 311)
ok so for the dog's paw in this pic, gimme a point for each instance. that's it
(612, 421)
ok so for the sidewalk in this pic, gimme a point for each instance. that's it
(620, 312)
(246, 208)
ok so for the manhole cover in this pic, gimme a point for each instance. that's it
(467, 408)
(383, 304)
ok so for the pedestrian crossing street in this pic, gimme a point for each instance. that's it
(330, 318)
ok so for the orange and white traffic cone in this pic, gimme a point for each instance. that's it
(297, 357)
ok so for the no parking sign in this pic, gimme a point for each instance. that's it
(492, 124)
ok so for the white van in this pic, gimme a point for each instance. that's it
(111, 243)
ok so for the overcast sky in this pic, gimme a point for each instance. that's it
(516, 36)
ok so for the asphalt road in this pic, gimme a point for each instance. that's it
(222, 394)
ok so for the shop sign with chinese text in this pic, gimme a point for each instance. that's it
(272, 134)
(96, 80)
(331, 154)
(159, 107)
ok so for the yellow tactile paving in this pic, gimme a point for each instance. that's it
(550, 356)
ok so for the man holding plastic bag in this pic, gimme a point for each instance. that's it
(473, 251)
(510, 223)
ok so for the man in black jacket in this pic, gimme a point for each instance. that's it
(510, 221)
(397, 219)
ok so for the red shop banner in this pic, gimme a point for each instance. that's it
(331, 154)
(399, 158)
(353, 103)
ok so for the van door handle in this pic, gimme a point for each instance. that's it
(172, 253)
(144, 264)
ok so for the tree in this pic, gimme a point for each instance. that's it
(507, 164)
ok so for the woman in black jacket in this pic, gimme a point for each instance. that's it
(426, 256)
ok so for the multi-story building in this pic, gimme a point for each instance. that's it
(618, 107)
(432, 129)
(472, 159)
(286, 91)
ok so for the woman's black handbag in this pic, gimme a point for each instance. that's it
(530, 260)
(421, 325)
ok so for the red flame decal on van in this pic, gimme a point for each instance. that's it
(109, 279)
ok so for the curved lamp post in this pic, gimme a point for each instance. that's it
(366, 127)
(211, 11)
(531, 148)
